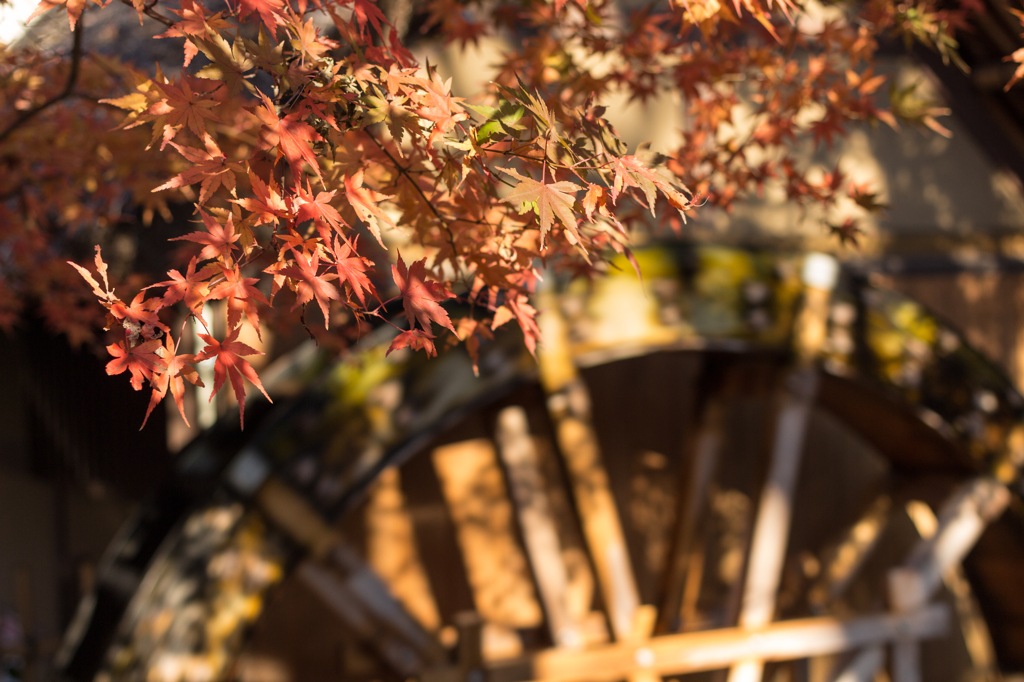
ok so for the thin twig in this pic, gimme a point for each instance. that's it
(76, 58)
(148, 10)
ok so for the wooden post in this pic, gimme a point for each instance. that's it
(519, 454)
(775, 508)
(569, 406)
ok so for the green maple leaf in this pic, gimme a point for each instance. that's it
(551, 199)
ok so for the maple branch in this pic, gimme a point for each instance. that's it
(152, 13)
(76, 58)
(419, 190)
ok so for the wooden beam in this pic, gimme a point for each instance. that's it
(714, 649)
(961, 520)
(775, 507)
(864, 666)
(851, 553)
(540, 534)
(569, 406)
(349, 587)
(683, 577)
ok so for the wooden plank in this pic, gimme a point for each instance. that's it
(540, 534)
(474, 489)
(392, 553)
(569, 406)
(714, 649)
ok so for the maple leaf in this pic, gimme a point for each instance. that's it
(518, 306)
(140, 317)
(317, 209)
(74, 8)
(419, 297)
(415, 339)
(550, 198)
(230, 62)
(310, 285)
(268, 206)
(211, 168)
(352, 270)
(193, 287)
(105, 294)
(194, 22)
(269, 10)
(241, 296)
(291, 137)
(218, 239)
(231, 366)
(181, 105)
(364, 201)
(176, 367)
(141, 360)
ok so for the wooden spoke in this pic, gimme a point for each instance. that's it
(540, 535)
(569, 406)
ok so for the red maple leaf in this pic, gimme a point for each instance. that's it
(141, 360)
(269, 11)
(231, 366)
(551, 198)
(176, 367)
(193, 287)
(218, 238)
(194, 22)
(267, 205)
(518, 306)
(420, 297)
(241, 296)
(352, 270)
(310, 285)
(364, 201)
(291, 137)
(211, 168)
(180, 106)
(317, 209)
(415, 339)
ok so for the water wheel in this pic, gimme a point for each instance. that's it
(737, 470)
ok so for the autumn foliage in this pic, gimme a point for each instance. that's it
(318, 155)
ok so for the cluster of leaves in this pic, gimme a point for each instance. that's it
(310, 158)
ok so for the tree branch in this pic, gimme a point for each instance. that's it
(76, 58)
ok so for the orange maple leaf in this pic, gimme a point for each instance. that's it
(218, 238)
(419, 297)
(175, 367)
(552, 199)
(231, 366)
(364, 201)
(291, 137)
(310, 285)
(141, 360)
